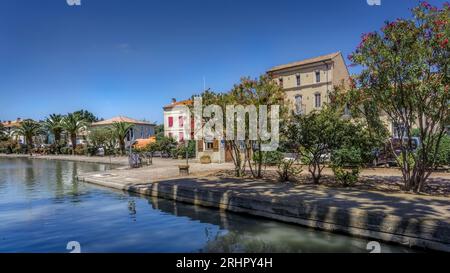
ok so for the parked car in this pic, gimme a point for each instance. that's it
(392, 149)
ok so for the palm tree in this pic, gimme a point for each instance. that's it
(54, 125)
(120, 131)
(73, 123)
(28, 129)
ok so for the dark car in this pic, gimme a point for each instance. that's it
(391, 150)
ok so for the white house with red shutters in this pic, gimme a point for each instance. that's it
(174, 120)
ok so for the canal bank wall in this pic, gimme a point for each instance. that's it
(409, 220)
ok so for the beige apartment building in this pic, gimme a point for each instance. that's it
(308, 83)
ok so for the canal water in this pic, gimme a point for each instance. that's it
(43, 208)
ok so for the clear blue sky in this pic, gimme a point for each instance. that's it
(130, 57)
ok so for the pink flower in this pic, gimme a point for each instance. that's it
(426, 5)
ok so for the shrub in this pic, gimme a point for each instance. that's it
(80, 150)
(346, 177)
(346, 164)
(269, 158)
(205, 159)
(66, 150)
(181, 150)
(286, 170)
(443, 154)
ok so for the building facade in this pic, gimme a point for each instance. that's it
(175, 119)
(140, 129)
(308, 83)
(9, 128)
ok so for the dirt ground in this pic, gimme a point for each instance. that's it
(388, 180)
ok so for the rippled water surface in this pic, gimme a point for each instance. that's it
(43, 207)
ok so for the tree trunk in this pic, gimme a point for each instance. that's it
(122, 147)
(73, 139)
(29, 144)
(315, 171)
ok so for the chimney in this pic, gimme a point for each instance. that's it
(174, 100)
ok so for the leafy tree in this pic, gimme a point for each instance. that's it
(181, 149)
(258, 92)
(166, 145)
(120, 131)
(405, 74)
(314, 137)
(247, 93)
(346, 163)
(159, 131)
(53, 124)
(73, 123)
(28, 129)
(99, 137)
(87, 116)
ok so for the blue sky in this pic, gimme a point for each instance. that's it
(130, 57)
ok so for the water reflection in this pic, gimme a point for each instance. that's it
(42, 207)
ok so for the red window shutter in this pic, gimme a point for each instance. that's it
(170, 121)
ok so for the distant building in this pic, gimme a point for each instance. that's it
(140, 129)
(10, 126)
(174, 120)
(308, 83)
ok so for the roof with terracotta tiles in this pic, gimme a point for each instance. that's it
(10, 124)
(306, 61)
(179, 103)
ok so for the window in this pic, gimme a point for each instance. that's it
(298, 104)
(209, 145)
(180, 136)
(317, 100)
(317, 76)
(130, 135)
(281, 81)
(170, 121)
(170, 135)
(180, 121)
(298, 79)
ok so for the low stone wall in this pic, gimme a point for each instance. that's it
(426, 233)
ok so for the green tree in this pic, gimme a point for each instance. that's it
(314, 137)
(258, 92)
(99, 137)
(159, 131)
(247, 93)
(73, 123)
(405, 73)
(28, 129)
(167, 145)
(120, 131)
(87, 116)
(53, 124)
